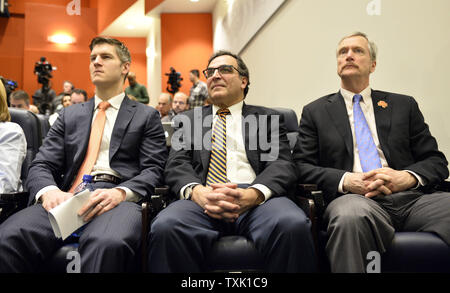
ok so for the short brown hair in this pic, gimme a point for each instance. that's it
(121, 49)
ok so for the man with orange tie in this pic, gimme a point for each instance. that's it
(119, 142)
(232, 171)
(374, 157)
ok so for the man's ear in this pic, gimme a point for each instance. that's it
(244, 82)
(126, 68)
(373, 66)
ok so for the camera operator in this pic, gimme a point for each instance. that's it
(174, 81)
(43, 97)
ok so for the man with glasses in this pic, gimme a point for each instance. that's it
(230, 181)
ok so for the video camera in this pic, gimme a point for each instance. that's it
(43, 70)
(174, 81)
(10, 86)
(43, 100)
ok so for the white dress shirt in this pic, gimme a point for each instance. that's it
(13, 149)
(239, 170)
(102, 166)
(367, 108)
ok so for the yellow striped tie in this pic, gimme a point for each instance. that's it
(217, 172)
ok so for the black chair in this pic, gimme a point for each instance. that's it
(237, 253)
(45, 125)
(13, 202)
(409, 251)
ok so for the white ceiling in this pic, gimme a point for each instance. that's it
(134, 23)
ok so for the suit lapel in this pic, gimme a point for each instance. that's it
(338, 114)
(205, 152)
(382, 109)
(252, 155)
(126, 112)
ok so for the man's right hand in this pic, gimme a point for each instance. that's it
(53, 198)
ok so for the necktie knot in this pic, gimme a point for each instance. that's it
(223, 112)
(357, 98)
(104, 105)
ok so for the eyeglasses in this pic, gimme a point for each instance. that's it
(223, 70)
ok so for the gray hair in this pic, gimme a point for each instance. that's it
(372, 47)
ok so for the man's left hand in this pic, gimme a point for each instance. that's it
(101, 201)
(395, 181)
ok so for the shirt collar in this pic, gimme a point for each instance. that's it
(235, 109)
(348, 95)
(114, 101)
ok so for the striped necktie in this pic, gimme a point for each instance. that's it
(217, 171)
(368, 154)
(94, 144)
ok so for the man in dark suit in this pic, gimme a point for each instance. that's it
(230, 182)
(127, 165)
(375, 159)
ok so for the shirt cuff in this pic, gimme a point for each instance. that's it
(341, 184)
(182, 195)
(44, 190)
(265, 191)
(420, 180)
(130, 195)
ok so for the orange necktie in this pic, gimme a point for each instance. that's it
(94, 144)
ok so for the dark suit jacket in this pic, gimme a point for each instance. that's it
(190, 163)
(137, 149)
(324, 150)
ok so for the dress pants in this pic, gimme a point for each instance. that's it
(108, 243)
(357, 225)
(182, 234)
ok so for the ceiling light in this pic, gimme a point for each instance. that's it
(130, 26)
(61, 39)
(194, 0)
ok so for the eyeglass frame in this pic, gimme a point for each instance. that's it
(218, 68)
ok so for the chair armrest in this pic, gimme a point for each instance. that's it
(151, 206)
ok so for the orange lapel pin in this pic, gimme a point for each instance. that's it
(382, 104)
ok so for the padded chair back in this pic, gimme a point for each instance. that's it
(33, 134)
(291, 122)
(45, 125)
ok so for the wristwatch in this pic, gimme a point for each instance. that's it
(188, 191)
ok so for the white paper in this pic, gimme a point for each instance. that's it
(64, 218)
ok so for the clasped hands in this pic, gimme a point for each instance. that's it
(101, 201)
(382, 181)
(226, 201)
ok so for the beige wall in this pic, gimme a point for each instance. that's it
(292, 59)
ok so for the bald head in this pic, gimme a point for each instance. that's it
(180, 102)
(164, 104)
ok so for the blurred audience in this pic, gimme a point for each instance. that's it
(165, 107)
(13, 148)
(180, 103)
(57, 101)
(78, 96)
(199, 91)
(20, 99)
(66, 102)
(137, 90)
